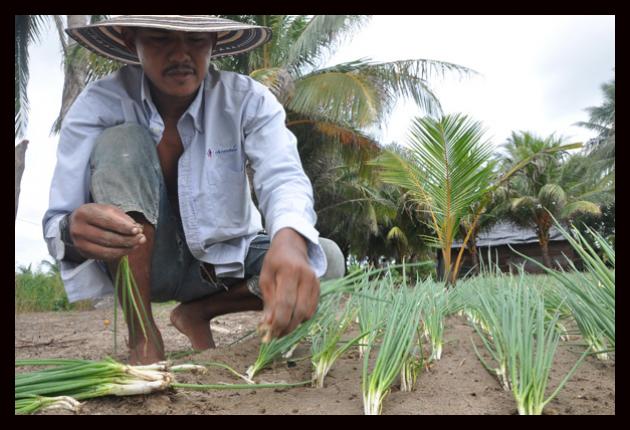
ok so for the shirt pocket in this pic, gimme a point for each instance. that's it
(226, 204)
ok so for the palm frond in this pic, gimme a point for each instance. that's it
(340, 97)
(346, 135)
(321, 36)
(28, 29)
(396, 234)
(278, 80)
(453, 151)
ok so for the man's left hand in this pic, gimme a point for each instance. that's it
(289, 286)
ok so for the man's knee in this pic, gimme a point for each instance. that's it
(336, 266)
(125, 171)
(123, 147)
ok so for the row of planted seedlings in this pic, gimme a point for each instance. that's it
(587, 297)
(519, 324)
(521, 337)
(521, 319)
(394, 320)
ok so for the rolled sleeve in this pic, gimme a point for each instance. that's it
(284, 192)
(316, 256)
(84, 122)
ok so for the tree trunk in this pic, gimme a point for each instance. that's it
(20, 156)
(544, 245)
(448, 267)
(543, 227)
(75, 72)
(472, 249)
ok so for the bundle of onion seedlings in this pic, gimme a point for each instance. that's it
(487, 310)
(326, 333)
(373, 299)
(414, 362)
(70, 381)
(590, 295)
(125, 286)
(434, 309)
(401, 327)
(271, 349)
(529, 343)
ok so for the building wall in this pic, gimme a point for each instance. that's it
(509, 261)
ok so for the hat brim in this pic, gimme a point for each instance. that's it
(105, 38)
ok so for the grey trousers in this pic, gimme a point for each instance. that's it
(126, 173)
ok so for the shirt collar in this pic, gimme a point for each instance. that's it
(195, 109)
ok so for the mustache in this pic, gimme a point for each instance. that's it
(179, 68)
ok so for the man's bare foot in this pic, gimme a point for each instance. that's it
(146, 352)
(188, 319)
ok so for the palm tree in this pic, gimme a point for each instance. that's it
(355, 94)
(450, 172)
(28, 30)
(602, 120)
(549, 186)
(337, 104)
(453, 177)
(350, 207)
(80, 67)
(495, 208)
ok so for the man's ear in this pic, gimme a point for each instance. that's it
(129, 37)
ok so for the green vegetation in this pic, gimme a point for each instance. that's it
(37, 291)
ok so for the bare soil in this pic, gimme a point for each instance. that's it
(457, 384)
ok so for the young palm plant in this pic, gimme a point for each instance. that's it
(449, 171)
(451, 174)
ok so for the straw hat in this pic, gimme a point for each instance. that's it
(105, 37)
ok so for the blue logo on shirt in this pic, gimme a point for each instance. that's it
(221, 151)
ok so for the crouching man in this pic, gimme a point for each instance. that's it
(151, 165)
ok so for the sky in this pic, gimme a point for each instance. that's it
(535, 73)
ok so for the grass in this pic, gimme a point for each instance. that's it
(42, 292)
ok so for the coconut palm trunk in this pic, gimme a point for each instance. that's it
(544, 246)
(543, 226)
(472, 249)
(20, 156)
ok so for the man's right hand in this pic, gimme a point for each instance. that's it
(104, 232)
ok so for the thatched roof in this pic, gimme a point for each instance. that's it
(506, 233)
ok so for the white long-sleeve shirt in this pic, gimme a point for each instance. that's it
(233, 118)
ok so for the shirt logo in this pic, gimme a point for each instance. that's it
(221, 151)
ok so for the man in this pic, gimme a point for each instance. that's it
(151, 164)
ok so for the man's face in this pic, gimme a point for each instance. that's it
(175, 62)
